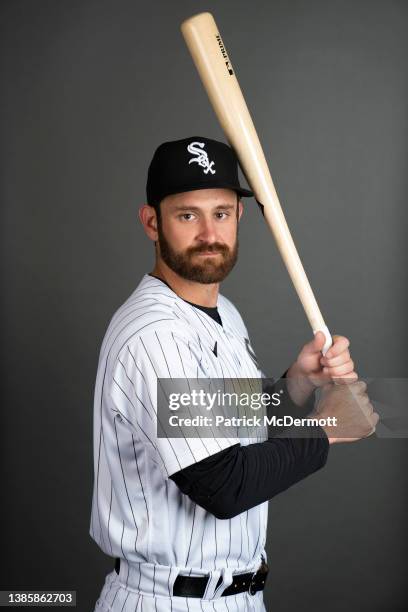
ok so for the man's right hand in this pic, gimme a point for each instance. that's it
(351, 406)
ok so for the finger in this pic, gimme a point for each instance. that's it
(364, 399)
(316, 345)
(359, 387)
(366, 406)
(342, 370)
(339, 345)
(349, 379)
(335, 361)
(374, 420)
(335, 382)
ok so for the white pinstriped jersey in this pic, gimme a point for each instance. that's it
(138, 513)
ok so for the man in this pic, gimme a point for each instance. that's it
(185, 518)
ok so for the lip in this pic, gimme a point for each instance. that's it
(209, 254)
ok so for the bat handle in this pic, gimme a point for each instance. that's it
(329, 340)
(327, 344)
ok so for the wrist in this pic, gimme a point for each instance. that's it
(299, 386)
(302, 379)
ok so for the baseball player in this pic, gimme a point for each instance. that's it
(185, 518)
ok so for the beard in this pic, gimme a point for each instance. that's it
(209, 269)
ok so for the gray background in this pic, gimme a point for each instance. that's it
(89, 89)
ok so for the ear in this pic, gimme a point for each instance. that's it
(240, 209)
(148, 218)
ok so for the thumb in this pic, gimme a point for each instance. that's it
(316, 345)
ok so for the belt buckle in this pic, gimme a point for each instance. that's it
(252, 584)
(261, 572)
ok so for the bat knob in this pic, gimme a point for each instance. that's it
(329, 339)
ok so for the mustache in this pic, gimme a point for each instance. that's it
(215, 247)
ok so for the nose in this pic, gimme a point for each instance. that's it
(207, 231)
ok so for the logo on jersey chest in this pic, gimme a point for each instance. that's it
(251, 352)
(201, 157)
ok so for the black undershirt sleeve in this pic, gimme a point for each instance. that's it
(241, 477)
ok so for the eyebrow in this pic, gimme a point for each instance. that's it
(220, 206)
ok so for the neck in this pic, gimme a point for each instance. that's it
(198, 293)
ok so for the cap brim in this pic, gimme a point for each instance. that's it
(183, 188)
(245, 192)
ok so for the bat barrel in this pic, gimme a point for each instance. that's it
(218, 76)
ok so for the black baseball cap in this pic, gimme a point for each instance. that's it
(192, 163)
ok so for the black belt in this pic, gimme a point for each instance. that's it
(194, 586)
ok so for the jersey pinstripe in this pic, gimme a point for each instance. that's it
(138, 513)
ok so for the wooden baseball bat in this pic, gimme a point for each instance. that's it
(209, 54)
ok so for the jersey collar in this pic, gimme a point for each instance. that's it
(186, 307)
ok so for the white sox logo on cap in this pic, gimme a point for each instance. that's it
(201, 156)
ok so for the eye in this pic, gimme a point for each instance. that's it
(186, 216)
(221, 215)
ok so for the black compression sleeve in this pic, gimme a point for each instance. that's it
(240, 477)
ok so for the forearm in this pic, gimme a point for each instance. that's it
(296, 400)
(241, 477)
